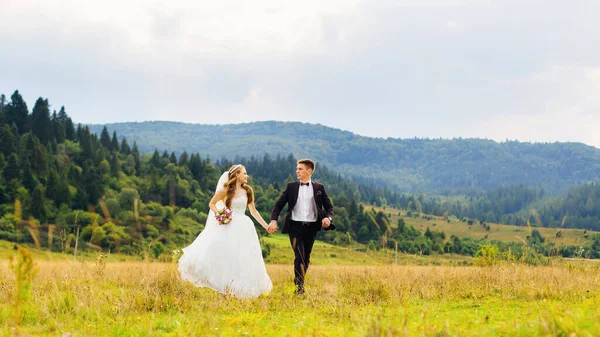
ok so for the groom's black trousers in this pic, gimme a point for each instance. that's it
(302, 239)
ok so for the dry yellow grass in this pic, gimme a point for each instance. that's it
(498, 232)
(142, 299)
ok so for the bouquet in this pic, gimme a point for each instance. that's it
(224, 216)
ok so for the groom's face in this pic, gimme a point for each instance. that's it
(303, 172)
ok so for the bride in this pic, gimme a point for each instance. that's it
(227, 257)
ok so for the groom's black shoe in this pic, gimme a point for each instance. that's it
(299, 290)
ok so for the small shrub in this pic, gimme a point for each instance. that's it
(25, 270)
(486, 255)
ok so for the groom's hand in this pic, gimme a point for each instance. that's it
(272, 227)
(325, 222)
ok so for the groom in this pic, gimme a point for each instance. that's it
(309, 210)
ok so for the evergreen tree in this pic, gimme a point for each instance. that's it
(85, 142)
(155, 161)
(183, 159)
(41, 125)
(81, 199)
(105, 138)
(29, 180)
(69, 129)
(58, 128)
(63, 194)
(2, 109)
(114, 166)
(91, 182)
(35, 154)
(418, 207)
(74, 175)
(173, 158)
(12, 169)
(153, 192)
(4, 198)
(14, 130)
(125, 149)
(136, 157)
(60, 133)
(52, 186)
(428, 234)
(8, 141)
(17, 113)
(114, 142)
(79, 131)
(38, 206)
(353, 209)
(207, 173)
(196, 166)
(62, 115)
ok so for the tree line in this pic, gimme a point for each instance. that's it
(62, 184)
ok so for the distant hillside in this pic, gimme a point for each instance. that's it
(415, 165)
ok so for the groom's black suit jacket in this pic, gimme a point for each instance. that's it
(290, 196)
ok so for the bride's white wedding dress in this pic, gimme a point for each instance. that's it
(227, 258)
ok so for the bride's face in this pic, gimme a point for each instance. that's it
(242, 176)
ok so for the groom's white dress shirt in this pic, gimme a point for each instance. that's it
(305, 209)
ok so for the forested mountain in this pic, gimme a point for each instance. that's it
(413, 165)
(58, 180)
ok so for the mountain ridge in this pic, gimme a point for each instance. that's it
(410, 164)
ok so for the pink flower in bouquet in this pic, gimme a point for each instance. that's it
(224, 216)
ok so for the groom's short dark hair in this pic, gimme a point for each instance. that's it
(309, 163)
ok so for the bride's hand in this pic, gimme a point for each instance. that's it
(272, 228)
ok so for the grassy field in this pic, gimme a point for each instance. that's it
(281, 253)
(8, 248)
(356, 254)
(497, 231)
(345, 298)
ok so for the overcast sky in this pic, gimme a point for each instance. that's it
(526, 70)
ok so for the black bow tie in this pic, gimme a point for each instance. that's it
(304, 184)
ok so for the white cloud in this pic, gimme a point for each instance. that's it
(562, 103)
(563, 125)
(208, 27)
(398, 68)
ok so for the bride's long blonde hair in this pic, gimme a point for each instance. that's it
(230, 185)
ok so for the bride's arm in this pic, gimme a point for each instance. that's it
(257, 215)
(220, 195)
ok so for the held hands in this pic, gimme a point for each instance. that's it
(272, 227)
